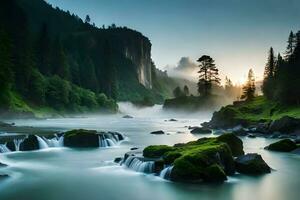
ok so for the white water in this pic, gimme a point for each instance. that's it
(3, 148)
(136, 164)
(166, 172)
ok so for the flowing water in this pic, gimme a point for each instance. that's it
(60, 173)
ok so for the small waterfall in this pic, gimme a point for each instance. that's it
(106, 141)
(166, 173)
(3, 148)
(42, 143)
(17, 143)
(54, 142)
(138, 165)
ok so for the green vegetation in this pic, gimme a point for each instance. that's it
(81, 138)
(285, 145)
(196, 160)
(257, 110)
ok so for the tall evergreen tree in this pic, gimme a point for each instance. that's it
(268, 83)
(209, 74)
(186, 90)
(59, 61)
(249, 87)
(291, 46)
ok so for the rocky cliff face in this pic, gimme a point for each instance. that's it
(140, 55)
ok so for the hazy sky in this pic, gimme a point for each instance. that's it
(236, 33)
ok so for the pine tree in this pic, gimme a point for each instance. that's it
(59, 63)
(186, 90)
(209, 74)
(291, 46)
(177, 92)
(87, 19)
(249, 87)
(268, 83)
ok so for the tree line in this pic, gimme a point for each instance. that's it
(282, 74)
(37, 67)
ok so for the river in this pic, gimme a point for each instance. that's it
(61, 173)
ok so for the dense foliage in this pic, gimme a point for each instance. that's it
(71, 65)
(282, 76)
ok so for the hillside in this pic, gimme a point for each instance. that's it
(52, 60)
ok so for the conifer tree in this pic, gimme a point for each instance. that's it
(249, 87)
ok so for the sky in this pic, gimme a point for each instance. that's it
(236, 33)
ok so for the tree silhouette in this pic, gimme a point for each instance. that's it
(177, 92)
(87, 19)
(186, 90)
(249, 87)
(209, 74)
(291, 46)
(268, 83)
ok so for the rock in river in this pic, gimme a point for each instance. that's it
(285, 145)
(251, 164)
(157, 132)
(201, 130)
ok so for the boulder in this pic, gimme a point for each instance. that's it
(207, 159)
(3, 165)
(11, 145)
(81, 138)
(285, 125)
(127, 117)
(157, 132)
(30, 143)
(296, 151)
(201, 130)
(285, 145)
(118, 160)
(3, 176)
(251, 136)
(235, 143)
(134, 148)
(252, 164)
(173, 120)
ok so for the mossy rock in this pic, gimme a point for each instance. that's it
(207, 159)
(235, 143)
(156, 151)
(252, 164)
(30, 143)
(285, 145)
(81, 138)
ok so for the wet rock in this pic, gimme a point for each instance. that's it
(30, 143)
(157, 132)
(81, 138)
(201, 130)
(285, 145)
(3, 165)
(4, 176)
(127, 117)
(118, 160)
(251, 164)
(239, 130)
(285, 125)
(251, 136)
(296, 151)
(173, 120)
(235, 143)
(11, 145)
(134, 148)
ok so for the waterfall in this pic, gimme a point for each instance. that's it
(138, 165)
(54, 142)
(3, 148)
(42, 143)
(17, 143)
(108, 140)
(166, 172)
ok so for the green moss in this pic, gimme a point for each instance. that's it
(81, 138)
(156, 151)
(235, 144)
(197, 160)
(257, 110)
(285, 145)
